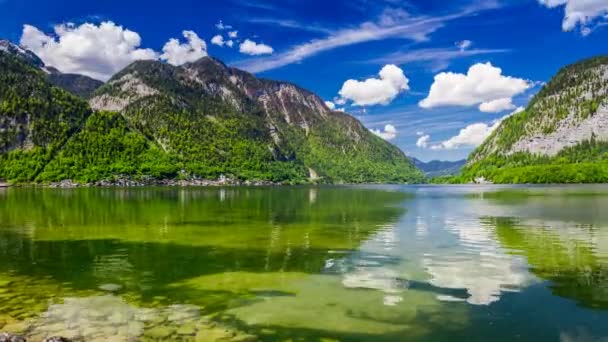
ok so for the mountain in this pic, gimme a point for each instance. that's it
(78, 85)
(199, 120)
(36, 118)
(561, 137)
(438, 168)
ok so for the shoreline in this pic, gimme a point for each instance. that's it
(136, 183)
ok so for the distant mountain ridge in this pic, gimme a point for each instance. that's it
(198, 120)
(562, 136)
(437, 168)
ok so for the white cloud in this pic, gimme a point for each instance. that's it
(464, 44)
(374, 91)
(583, 13)
(290, 24)
(391, 24)
(471, 136)
(98, 51)
(389, 132)
(221, 26)
(339, 101)
(497, 106)
(176, 53)
(423, 141)
(474, 134)
(233, 34)
(483, 85)
(250, 47)
(230, 43)
(218, 40)
(330, 105)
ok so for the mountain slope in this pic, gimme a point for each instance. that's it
(564, 128)
(36, 118)
(79, 85)
(201, 120)
(223, 120)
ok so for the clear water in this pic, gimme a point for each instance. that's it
(384, 263)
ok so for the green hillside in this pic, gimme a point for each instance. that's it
(561, 137)
(154, 121)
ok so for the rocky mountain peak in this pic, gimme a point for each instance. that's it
(571, 108)
(20, 52)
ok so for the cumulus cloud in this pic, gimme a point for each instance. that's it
(233, 34)
(177, 53)
(98, 51)
(483, 85)
(373, 91)
(389, 132)
(582, 13)
(497, 106)
(230, 43)
(423, 141)
(470, 136)
(474, 134)
(218, 40)
(250, 47)
(330, 105)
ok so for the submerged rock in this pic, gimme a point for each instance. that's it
(6, 337)
(57, 339)
(161, 332)
(110, 287)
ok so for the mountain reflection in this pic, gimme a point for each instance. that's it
(572, 257)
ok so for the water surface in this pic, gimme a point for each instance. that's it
(307, 263)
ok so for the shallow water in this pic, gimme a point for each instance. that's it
(326, 263)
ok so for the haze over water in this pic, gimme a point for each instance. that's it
(307, 263)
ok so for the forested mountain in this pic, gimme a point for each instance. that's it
(561, 137)
(200, 120)
(438, 168)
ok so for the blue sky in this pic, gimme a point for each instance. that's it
(322, 44)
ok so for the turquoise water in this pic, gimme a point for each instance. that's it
(307, 263)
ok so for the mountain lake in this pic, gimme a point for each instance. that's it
(347, 263)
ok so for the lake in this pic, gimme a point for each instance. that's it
(365, 263)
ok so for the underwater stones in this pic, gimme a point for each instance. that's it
(244, 338)
(57, 339)
(69, 334)
(187, 329)
(160, 332)
(16, 328)
(6, 337)
(110, 287)
(133, 328)
(215, 334)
